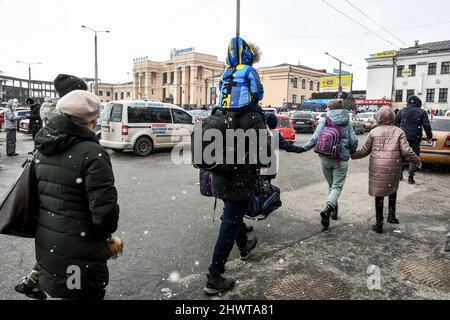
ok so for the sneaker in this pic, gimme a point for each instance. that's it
(251, 245)
(217, 284)
(30, 292)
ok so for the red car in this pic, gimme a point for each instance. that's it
(286, 128)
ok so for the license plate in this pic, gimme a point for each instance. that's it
(425, 143)
(301, 122)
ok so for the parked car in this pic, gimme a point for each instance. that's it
(286, 128)
(2, 119)
(438, 150)
(320, 116)
(369, 120)
(21, 112)
(273, 110)
(304, 121)
(358, 124)
(199, 115)
(24, 126)
(143, 126)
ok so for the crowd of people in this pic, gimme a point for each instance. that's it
(78, 200)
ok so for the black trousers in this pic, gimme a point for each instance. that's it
(379, 206)
(415, 146)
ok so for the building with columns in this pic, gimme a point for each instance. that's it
(185, 80)
(287, 85)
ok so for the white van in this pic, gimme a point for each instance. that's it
(143, 126)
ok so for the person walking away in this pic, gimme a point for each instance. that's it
(236, 184)
(386, 145)
(64, 84)
(413, 120)
(81, 214)
(11, 121)
(334, 168)
(35, 119)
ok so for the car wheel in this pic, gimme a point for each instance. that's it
(143, 147)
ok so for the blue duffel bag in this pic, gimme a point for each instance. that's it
(266, 203)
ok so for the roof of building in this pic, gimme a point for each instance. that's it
(296, 66)
(431, 47)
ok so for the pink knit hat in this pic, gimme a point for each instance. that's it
(81, 105)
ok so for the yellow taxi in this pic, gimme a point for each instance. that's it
(437, 151)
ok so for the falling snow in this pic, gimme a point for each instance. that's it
(79, 181)
(174, 277)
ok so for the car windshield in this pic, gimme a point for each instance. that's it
(440, 125)
(284, 123)
(303, 116)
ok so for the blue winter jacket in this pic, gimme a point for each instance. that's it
(349, 139)
(413, 120)
(240, 85)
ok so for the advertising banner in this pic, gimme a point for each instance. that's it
(331, 83)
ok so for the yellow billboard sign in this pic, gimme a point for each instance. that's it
(331, 83)
(386, 54)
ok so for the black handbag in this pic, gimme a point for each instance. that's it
(19, 209)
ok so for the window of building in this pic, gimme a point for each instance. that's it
(303, 99)
(172, 77)
(153, 92)
(294, 98)
(181, 117)
(400, 71)
(116, 95)
(409, 93)
(430, 95)
(165, 78)
(432, 68)
(413, 67)
(128, 94)
(303, 84)
(108, 93)
(399, 96)
(311, 85)
(122, 95)
(443, 95)
(294, 83)
(445, 67)
(318, 86)
(100, 93)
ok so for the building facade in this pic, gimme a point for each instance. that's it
(287, 86)
(108, 92)
(422, 70)
(17, 88)
(185, 80)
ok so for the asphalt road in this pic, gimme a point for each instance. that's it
(169, 230)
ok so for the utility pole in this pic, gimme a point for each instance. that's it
(29, 75)
(340, 72)
(96, 55)
(238, 18)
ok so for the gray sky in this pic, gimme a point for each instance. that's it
(292, 31)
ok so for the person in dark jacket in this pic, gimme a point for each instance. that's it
(64, 84)
(78, 201)
(236, 184)
(413, 120)
(35, 118)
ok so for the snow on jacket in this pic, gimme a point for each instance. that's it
(240, 84)
(10, 117)
(349, 139)
(413, 120)
(386, 145)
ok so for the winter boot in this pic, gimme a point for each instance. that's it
(391, 217)
(326, 214)
(378, 228)
(251, 245)
(217, 284)
(334, 215)
(29, 287)
(411, 180)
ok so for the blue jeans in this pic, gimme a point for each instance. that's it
(232, 230)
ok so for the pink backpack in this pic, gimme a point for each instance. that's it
(329, 141)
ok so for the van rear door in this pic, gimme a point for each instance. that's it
(112, 122)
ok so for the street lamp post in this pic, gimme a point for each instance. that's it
(238, 18)
(96, 61)
(29, 74)
(340, 72)
(213, 86)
